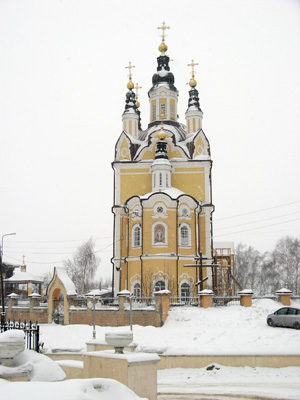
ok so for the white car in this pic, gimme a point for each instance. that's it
(285, 316)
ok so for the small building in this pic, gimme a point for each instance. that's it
(23, 283)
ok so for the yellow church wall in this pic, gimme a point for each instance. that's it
(134, 184)
(175, 154)
(124, 150)
(192, 183)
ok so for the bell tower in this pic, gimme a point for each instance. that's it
(163, 95)
(130, 117)
(194, 113)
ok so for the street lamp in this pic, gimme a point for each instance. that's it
(2, 287)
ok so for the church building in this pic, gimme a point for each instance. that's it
(162, 192)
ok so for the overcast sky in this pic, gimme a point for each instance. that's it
(62, 94)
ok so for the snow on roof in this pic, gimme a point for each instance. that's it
(98, 292)
(10, 264)
(174, 193)
(245, 292)
(283, 291)
(64, 278)
(224, 245)
(20, 276)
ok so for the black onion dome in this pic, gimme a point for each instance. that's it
(130, 101)
(161, 150)
(163, 74)
(194, 99)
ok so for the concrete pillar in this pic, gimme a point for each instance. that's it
(284, 296)
(34, 301)
(162, 304)
(138, 371)
(206, 298)
(246, 297)
(12, 300)
(122, 296)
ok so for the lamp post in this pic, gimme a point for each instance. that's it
(2, 286)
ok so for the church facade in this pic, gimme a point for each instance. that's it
(162, 193)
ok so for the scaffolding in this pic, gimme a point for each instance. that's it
(224, 283)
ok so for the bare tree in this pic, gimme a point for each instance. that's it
(82, 268)
(247, 267)
(286, 256)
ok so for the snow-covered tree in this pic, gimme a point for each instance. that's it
(82, 268)
(247, 265)
(286, 256)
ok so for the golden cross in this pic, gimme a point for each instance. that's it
(137, 87)
(129, 67)
(192, 65)
(163, 28)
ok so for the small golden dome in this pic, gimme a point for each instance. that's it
(130, 84)
(193, 82)
(161, 135)
(163, 48)
(137, 103)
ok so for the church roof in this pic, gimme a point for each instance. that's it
(172, 192)
(62, 275)
(20, 276)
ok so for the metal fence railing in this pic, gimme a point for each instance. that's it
(31, 331)
(184, 301)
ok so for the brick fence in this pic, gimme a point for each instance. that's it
(118, 315)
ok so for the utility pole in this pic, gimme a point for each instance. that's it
(2, 286)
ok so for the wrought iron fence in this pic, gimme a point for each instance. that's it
(219, 301)
(184, 301)
(31, 331)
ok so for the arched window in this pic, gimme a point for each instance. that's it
(160, 179)
(136, 236)
(159, 234)
(137, 290)
(185, 292)
(159, 285)
(184, 235)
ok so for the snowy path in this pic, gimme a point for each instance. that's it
(229, 383)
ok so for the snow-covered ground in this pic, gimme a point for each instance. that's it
(227, 330)
(270, 383)
(188, 330)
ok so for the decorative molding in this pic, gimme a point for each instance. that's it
(135, 278)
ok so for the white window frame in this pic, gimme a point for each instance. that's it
(135, 289)
(134, 243)
(163, 110)
(172, 108)
(184, 298)
(154, 112)
(160, 244)
(156, 281)
(184, 242)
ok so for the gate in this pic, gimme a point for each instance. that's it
(32, 333)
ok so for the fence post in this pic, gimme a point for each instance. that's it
(206, 298)
(12, 300)
(122, 297)
(34, 301)
(246, 297)
(284, 296)
(162, 304)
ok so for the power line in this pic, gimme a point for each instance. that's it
(62, 241)
(259, 227)
(255, 222)
(253, 212)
